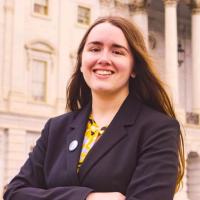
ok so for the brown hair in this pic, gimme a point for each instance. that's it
(146, 85)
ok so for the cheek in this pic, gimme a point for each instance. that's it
(130, 65)
(87, 61)
(84, 63)
(126, 67)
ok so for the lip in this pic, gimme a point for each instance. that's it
(103, 70)
(103, 73)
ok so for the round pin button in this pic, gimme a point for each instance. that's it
(73, 145)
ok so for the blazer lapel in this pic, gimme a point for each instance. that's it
(76, 133)
(115, 132)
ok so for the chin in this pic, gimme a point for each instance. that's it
(103, 91)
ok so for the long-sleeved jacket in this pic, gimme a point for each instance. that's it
(137, 156)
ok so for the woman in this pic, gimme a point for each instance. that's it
(121, 140)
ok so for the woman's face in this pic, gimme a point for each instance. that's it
(107, 63)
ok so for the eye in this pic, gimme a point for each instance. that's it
(94, 49)
(118, 52)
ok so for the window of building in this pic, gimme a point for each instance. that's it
(41, 80)
(41, 7)
(84, 15)
(39, 68)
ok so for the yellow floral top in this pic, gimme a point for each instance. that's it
(92, 134)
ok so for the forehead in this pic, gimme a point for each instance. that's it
(107, 32)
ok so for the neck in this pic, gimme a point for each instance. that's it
(105, 107)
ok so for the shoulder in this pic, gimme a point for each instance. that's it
(155, 125)
(152, 117)
(62, 120)
(57, 126)
(59, 122)
(64, 117)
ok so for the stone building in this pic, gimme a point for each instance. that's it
(38, 42)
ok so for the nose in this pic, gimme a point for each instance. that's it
(104, 58)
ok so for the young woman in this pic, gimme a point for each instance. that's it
(121, 139)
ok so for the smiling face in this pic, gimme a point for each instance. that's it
(107, 63)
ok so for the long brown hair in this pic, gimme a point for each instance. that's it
(146, 85)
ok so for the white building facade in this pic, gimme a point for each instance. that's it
(38, 42)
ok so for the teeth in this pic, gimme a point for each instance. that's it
(103, 72)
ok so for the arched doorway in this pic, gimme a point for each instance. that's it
(193, 175)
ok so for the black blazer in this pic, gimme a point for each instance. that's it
(137, 156)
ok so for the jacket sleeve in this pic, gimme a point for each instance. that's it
(30, 182)
(156, 172)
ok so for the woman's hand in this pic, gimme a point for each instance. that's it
(105, 196)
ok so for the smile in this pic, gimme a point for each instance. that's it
(103, 72)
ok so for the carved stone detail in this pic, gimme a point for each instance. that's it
(170, 2)
(119, 4)
(138, 5)
(195, 5)
(105, 2)
(9, 7)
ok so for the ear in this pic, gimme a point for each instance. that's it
(81, 69)
(133, 75)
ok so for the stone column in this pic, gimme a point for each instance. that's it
(171, 54)
(182, 193)
(196, 55)
(15, 152)
(2, 160)
(1, 50)
(64, 44)
(7, 46)
(140, 17)
(16, 32)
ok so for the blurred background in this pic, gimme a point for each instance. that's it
(38, 43)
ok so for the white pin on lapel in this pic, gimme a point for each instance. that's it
(73, 145)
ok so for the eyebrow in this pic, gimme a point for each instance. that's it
(113, 45)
